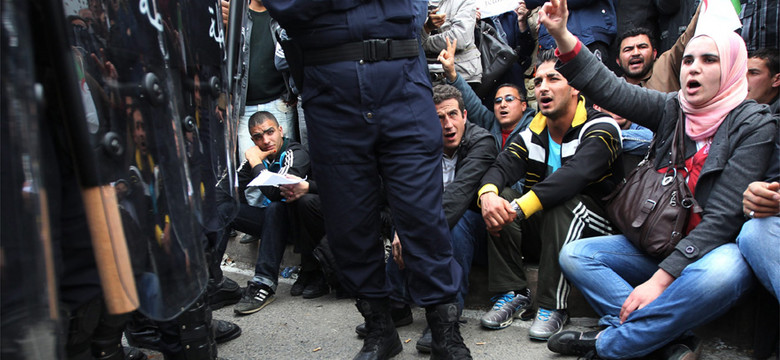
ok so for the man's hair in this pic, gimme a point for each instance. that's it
(636, 31)
(260, 117)
(520, 90)
(771, 56)
(544, 56)
(445, 92)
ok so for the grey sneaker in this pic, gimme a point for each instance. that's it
(256, 297)
(547, 323)
(507, 307)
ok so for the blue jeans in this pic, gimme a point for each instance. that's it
(759, 242)
(469, 237)
(272, 225)
(606, 269)
(469, 244)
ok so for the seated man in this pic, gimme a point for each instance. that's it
(469, 150)
(759, 240)
(510, 114)
(636, 138)
(569, 158)
(764, 78)
(264, 210)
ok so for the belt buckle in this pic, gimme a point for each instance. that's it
(376, 49)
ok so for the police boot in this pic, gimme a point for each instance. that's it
(381, 340)
(445, 330)
(190, 335)
(223, 293)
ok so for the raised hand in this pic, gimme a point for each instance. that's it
(447, 59)
(554, 15)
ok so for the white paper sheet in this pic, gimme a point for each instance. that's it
(488, 8)
(267, 178)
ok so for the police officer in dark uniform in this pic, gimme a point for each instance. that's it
(369, 110)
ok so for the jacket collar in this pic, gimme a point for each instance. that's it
(540, 121)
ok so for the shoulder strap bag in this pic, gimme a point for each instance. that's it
(652, 208)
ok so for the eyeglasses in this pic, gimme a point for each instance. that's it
(508, 98)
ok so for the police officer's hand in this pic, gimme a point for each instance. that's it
(397, 256)
(447, 59)
(255, 155)
(293, 192)
(496, 211)
(761, 199)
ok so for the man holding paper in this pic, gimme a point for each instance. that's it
(264, 210)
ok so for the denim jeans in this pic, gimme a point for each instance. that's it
(606, 269)
(468, 245)
(284, 114)
(272, 225)
(759, 242)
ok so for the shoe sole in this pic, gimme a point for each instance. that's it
(423, 349)
(316, 295)
(252, 311)
(542, 338)
(228, 336)
(500, 326)
(517, 315)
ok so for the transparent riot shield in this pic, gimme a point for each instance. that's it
(127, 129)
(28, 310)
(198, 69)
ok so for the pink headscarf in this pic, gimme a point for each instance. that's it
(702, 121)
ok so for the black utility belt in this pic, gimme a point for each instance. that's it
(366, 50)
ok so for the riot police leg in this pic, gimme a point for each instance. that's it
(190, 335)
(221, 290)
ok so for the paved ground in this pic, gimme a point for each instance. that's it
(323, 328)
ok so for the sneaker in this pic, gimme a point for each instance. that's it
(248, 239)
(317, 287)
(505, 309)
(304, 278)
(256, 296)
(548, 323)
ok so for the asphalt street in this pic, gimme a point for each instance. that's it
(323, 328)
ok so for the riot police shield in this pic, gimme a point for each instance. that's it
(28, 310)
(126, 127)
(210, 134)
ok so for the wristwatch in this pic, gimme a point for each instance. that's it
(516, 207)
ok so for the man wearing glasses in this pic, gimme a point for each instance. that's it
(568, 159)
(510, 110)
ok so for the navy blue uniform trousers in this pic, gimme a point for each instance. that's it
(372, 119)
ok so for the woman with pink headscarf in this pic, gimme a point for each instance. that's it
(649, 303)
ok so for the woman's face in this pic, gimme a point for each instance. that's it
(700, 71)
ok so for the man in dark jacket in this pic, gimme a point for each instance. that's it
(510, 114)
(367, 98)
(264, 210)
(570, 158)
(469, 150)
